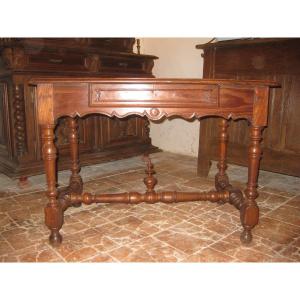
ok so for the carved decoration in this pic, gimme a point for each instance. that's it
(14, 57)
(19, 119)
(147, 127)
(148, 66)
(150, 181)
(93, 63)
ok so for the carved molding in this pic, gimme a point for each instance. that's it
(14, 57)
(156, 115)
(19, 119)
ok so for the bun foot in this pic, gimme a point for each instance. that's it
(55, 238)
(246, 237)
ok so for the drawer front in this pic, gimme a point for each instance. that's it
(159, 95)
(237, 98)
(121, 65)
(53, 61)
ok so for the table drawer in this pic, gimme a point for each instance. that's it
(176, 95)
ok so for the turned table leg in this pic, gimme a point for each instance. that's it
(221, 178)
(53, 210)
(76, 185)
(249, 208)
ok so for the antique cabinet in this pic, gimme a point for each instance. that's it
(276, 59)
(101, 138)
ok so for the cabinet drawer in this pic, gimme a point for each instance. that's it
(53, 61)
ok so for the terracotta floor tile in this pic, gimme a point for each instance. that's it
(127, 177)
(5, 247)
(187, 237)
(147, 250)
(100, 258)
(20, 238)
(9, 204)
(292, 251)
(42, 255)
(187, 174)
(39, 252)
(209, 255)
(6, 194)
(286, 213)
(160, 217)
(221, 223)
(118, 234)
(5, 222)
(81, 254)
(295, 202)
(271, 201)
(270, 239)
(200, 183)
(137, 225)
(189, 232)
(277, 192)
(101, 243)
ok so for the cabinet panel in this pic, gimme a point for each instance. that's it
(276, 59)
(121, 132)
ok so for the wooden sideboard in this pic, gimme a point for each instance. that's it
(276, 59)
(101, 138)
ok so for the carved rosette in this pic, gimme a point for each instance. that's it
(19, 119)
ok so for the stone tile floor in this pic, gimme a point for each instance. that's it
(182, 232)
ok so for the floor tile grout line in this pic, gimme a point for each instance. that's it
(54, 250)
(205, 247)
(16, 224)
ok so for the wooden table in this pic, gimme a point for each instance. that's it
(154, 99)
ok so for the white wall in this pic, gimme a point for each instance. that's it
(178, 57)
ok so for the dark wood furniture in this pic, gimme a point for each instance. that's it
(276, 59)
(101, 138)
(154, 99)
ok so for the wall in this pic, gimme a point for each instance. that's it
(178, 57)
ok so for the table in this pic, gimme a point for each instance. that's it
(154, 99)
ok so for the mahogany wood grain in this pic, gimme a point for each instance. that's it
(154, 99)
